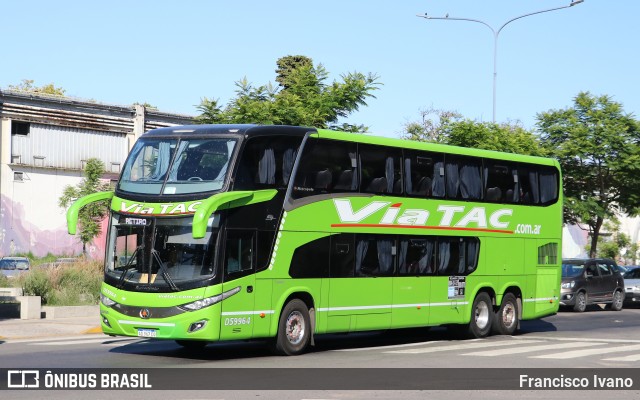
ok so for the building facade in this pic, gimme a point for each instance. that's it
(45, 142)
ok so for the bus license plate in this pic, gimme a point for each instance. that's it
(147, 332)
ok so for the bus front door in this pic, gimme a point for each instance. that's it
(237, 317)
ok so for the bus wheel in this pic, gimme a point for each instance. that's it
(192, 344)
(293, 329)
(481, 316)
(506, 319)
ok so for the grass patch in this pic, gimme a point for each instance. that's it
(68, 285)
(5, 282)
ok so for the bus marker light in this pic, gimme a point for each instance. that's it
(418, 307)
(262, 315)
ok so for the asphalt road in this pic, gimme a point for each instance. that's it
(597, 339)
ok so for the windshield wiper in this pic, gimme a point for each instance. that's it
(127, 267)
(165, 273)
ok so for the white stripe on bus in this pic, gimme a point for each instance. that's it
(383, 306)
(248, 312)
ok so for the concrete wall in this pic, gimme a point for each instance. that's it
(68, 131)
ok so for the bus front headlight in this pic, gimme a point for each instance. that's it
(106, 301)
(209, 301)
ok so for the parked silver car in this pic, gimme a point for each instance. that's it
(632, 286)
(14, 266)
(591, 281)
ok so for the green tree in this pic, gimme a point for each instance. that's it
(90, 215)
(598, 147)
(302, 97)
(612, 244)
(27, 86)
(449, 127)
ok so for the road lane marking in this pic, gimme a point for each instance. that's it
(574, 339)
(464, 346)
(391, 346)
(590, 352)
(530, 349)
(633, 357)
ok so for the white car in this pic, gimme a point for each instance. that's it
(632, 285)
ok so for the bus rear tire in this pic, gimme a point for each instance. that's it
(294, 329)
(481, 317)
(506, 318)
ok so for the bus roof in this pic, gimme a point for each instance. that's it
(435, 147)
(254, 129)
(235, 129)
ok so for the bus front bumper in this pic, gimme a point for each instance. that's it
(190, 325)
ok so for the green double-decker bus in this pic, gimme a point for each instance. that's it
(225, 232)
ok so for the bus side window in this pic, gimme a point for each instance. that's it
(375, 255)
(422, 174)
(501, 182)
(239, 252)
(342, 255)
(416, 256)
(463, 178)
(311, 260)
(266, 162)
(380, 170)
(457, 256)
(326, 166)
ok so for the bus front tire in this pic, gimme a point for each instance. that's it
(294, 329)
(481, 316)
(506, 318)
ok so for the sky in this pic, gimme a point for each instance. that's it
(171, 54)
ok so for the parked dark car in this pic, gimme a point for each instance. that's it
(632, 286)
(591, 281)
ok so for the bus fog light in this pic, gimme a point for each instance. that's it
(105, 321)
(196, 326)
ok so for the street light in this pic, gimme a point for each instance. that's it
(495, 38)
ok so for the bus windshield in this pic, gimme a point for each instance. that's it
(161, 253)
(177, 166)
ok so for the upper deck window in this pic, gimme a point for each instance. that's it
(172, 166)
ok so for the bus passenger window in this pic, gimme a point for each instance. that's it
(375, 255)
(463, 178)
(266, 162)
(416, 256)
(380, 170)
(342, 256)
(457, 256)
(420, 170)
(326, 166)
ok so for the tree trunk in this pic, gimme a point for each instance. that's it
(594, 238)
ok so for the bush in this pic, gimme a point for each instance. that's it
(37, 283)
(4, 281)
(67, 285)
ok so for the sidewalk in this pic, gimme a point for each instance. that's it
(43, 328)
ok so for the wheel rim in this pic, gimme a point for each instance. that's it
(617, 299)
(508, 315)
(582, 301)
(482, 315)
(295, 327)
